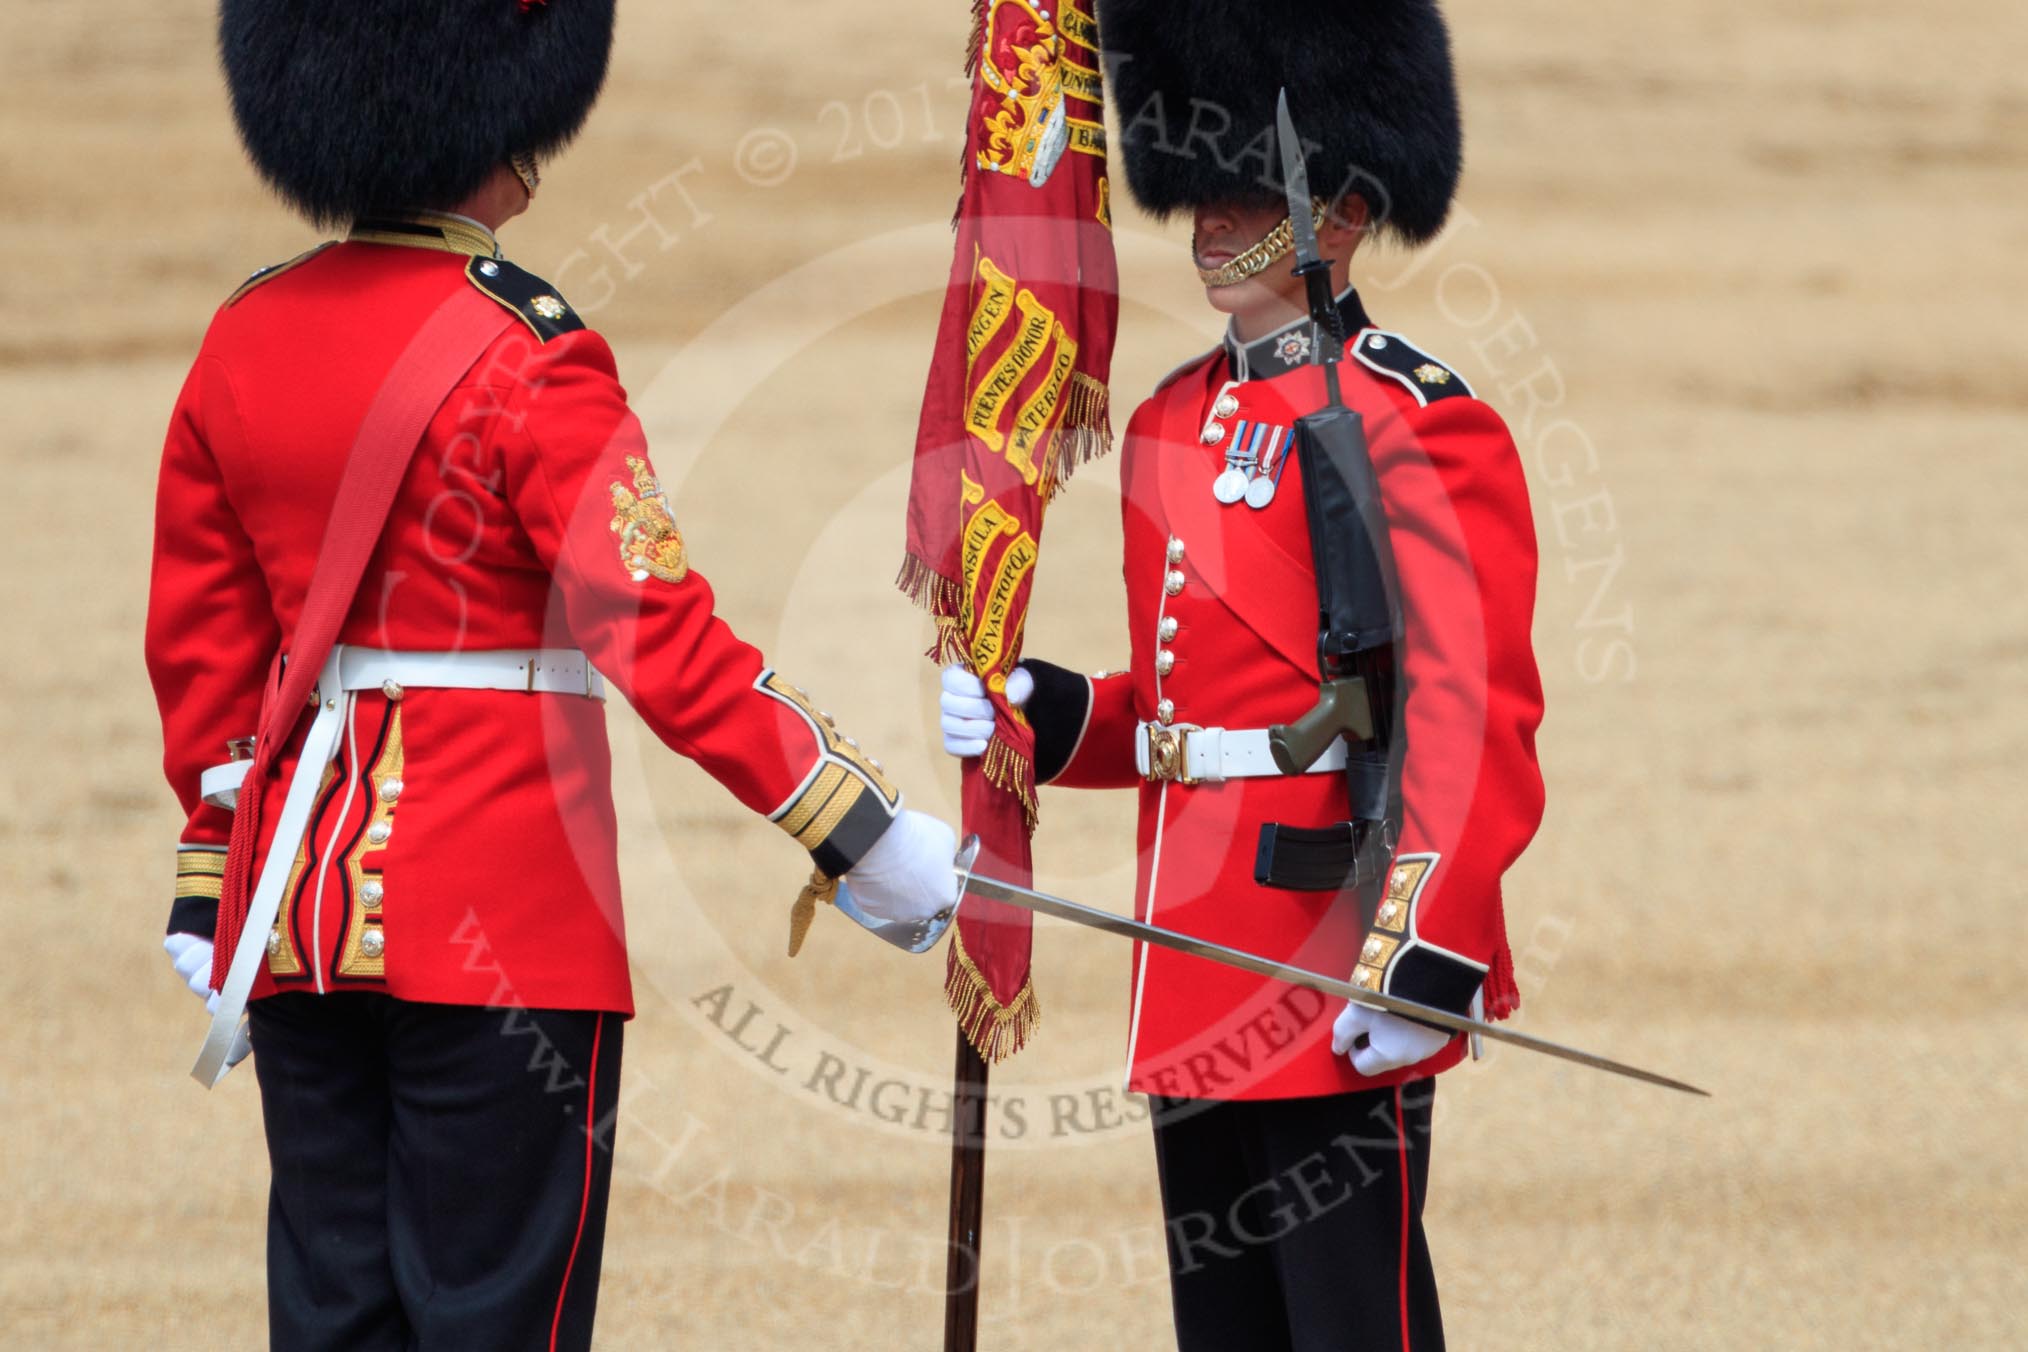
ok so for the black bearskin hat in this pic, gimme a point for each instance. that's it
(351, 105)
(1370, 90)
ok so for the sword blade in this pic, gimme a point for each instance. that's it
(1296, 183)
(1041, 903)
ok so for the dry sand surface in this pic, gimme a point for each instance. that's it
(1773, 255)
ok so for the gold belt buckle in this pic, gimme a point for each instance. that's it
(1169, 755)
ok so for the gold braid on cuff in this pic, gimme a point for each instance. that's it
(1257, 257)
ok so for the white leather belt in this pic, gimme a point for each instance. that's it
(1186, 754)
(535, 671)
(531, 670)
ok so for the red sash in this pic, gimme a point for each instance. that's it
(455, 336)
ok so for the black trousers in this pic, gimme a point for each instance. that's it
(440, 1171)
(1297, 1223)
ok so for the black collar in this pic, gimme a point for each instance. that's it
(1288, 346)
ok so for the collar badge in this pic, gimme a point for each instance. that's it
(1294, 347)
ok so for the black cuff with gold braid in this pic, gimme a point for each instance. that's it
(845, 803)
(1396, 961)
(1058, 711)
(200, 874)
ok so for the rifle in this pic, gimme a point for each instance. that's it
(1358, 613)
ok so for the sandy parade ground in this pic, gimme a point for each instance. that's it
(1768, 260)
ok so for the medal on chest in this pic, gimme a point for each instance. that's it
(1256, 453)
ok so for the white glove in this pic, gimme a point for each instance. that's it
(968, 714)
(908, 876)
(191, 955)
(1391, 1041)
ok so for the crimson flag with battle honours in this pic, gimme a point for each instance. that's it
(1016, 399)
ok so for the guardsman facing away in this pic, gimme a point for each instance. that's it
(426, 920)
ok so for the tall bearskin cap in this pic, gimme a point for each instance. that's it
(1370, 87)
(350, 105)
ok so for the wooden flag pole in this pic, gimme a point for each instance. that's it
(962, 1267)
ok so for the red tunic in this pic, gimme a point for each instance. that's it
(463, 848)
(1222, 605)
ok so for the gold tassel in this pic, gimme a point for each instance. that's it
(996, 1031)
(821, 887)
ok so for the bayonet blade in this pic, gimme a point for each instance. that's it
(1041, 903)
(1296, 183)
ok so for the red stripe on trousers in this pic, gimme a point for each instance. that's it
(591, 1099)
(1401, 1155)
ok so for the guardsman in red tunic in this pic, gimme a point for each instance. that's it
(437, 1006)
(1292, 1138)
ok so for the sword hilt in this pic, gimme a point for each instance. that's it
(966, 862)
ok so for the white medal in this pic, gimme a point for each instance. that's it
(1230, 485)
(1261, 491)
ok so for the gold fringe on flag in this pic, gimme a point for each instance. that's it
(1084, 434)
(1087, 404)
(949, 645)
(924, 585)
(975, 42)
(996, 1031)
(975, 46)
(943, 599)
(1008, 770)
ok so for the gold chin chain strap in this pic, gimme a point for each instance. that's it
(525, 169)
(1256, 258)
